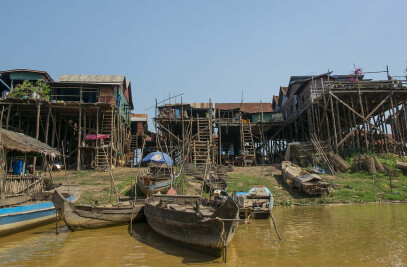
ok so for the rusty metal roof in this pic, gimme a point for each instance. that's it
(139, 115)
(201, 105)
(79, 78)
(193, 105)
(245, 107)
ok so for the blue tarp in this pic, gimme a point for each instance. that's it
(158, 158)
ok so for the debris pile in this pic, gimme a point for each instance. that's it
(316, 153)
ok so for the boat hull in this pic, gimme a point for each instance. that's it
(16, 219)
(154, 188)
(256, 215)
(88, 217)
(210, 236)
(28, 216)
(249, 209)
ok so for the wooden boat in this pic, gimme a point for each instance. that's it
(257, 203)
(311, 184)
(186, 220)
(150, 185)
(295, 176)
(158, 180)
(290, 171)
(27, 212)
(89, 217)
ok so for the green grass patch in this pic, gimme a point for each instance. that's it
(362, 187)
(243, 183)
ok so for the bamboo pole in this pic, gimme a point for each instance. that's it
(333, 123)
(37, 131)
(78, 157)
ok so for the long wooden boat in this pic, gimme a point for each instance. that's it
(150, 185)
(295, 176)
(257, 203)
(290, 171)
(89, 217)
(311, 184)
(186, 220)
(21, 215)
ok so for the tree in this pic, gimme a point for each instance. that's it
(27, 87)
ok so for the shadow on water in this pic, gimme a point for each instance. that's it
(143, 233)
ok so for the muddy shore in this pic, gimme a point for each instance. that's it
(347, 188)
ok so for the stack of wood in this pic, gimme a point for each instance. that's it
(339, 164)
(402, 165)
(372, 165)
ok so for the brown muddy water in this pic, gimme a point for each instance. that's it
(349, 235)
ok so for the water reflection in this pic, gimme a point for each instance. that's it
(360, 235)
(145, 235)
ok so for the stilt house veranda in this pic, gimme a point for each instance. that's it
(87, 117)
(348, 111)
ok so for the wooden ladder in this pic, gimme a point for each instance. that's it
(247, 142)
(202, 145)
(102, 158)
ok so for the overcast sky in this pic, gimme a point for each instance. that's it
(206, 49)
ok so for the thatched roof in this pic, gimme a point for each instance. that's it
(26, 144)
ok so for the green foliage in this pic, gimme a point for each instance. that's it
(26, 88)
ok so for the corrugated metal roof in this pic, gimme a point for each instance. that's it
(25, 75)
(139, 115)
(91, 78)
(245, 107)
(193, 105)
(138, 119)
(201, 105)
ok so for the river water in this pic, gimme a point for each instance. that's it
(348, 235)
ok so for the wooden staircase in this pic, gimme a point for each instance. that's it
(133, 149)
(203, 143)
(247, 142)
(102, 155)
(108, 124)
(102, 158)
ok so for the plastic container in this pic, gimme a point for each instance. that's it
(18, 167)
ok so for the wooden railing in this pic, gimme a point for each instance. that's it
(16, 185)
(318, 91)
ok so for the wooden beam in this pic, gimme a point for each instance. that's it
(78, 156)
(333, 123)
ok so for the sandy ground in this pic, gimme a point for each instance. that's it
(96, 185)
